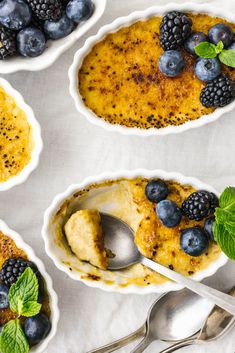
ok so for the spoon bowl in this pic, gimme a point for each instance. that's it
(167, 317)
(218, 323)
(120, 241)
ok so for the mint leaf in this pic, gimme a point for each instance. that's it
(227, 197)
(224, 226)
(206, 50)
(31, 309)
(227, 57)
(12, 339)
(223, 216)
(230, 227)
(225, 240)
(24, 291)
(219, 47)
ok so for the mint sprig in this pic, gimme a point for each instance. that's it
(12, 339)
(224, 226)
(23, 300)
(23, 294)
(227, 57)
(206, 50)
(209, 50)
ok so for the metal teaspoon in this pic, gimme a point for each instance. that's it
(121, 242)
(166, 318)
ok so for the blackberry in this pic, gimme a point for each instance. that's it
(200, 204)
(35, 22)
(218, 92)
(175, 28)
(12, 269)
(7, 42)
(46, 9)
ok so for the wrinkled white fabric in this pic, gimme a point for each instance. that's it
(75, 149)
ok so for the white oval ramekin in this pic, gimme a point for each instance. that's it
(60, 257)
(127, 21)
(38, 144)
(54, 48)
(53, 299)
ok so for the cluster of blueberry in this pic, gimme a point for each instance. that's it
(36, 328)
(175, 34)
(199, 205)
(25, 25)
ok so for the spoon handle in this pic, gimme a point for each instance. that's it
(111, 347)
(223, 300)
(146, 341)
(178, 345)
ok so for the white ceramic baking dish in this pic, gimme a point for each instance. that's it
(65, 261)
(38, 144)
(127, 21)
(54, 48)
(53, 300)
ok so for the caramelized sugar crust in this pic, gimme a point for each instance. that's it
(162, 244)
(16, 141)
(121, 83)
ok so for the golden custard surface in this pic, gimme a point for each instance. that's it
(120, 81)
(16, 141)
(162, 244)
(8, 249)
(126, 199)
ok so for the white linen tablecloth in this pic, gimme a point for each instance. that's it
(75, 149)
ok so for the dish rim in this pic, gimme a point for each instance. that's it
(129, 174)
(23, 175)
(127, 21)
(53, 298)
(54, 49)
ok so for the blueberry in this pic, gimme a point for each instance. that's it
(79, 10)
(208, 227)
(232, 46)
(31, 42)
(207, 69)
(36, 328)
(1, 327)
(4, 296)
(221, 32)
(169, 213)
(156, 190)
(14, 14)
(171, 63)
(195, 39)
(193, 241)
(58, 29)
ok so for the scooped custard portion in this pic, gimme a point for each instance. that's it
(162, 242)
(16, 142)
(85, 237)
(120, 80)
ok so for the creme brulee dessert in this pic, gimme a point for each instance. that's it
(24, 299)
(128, 78)
(182, 240)
(16, 140)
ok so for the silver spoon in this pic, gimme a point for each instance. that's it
(166, 318)
(120, 241)
(217, 324)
